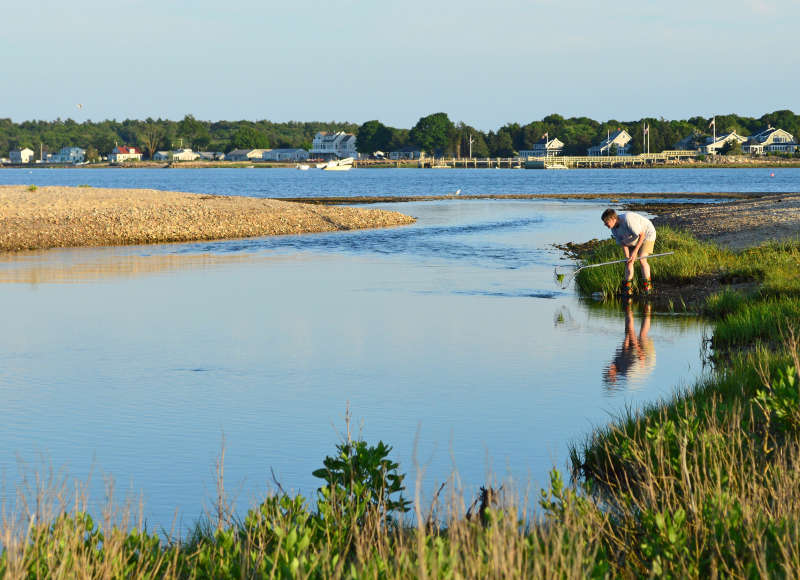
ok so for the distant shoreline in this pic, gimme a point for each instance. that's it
(738, 163)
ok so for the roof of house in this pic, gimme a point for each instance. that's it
(547, 141)
(129, 150)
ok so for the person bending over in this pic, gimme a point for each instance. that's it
(636, 234)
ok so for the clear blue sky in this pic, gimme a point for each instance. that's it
(483, 62)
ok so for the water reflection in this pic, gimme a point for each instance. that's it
(635, 358)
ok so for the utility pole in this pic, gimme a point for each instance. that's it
(471, 141)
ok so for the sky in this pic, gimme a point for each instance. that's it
(486, 63)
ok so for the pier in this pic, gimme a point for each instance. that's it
(554, 162)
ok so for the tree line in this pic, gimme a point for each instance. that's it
(434, 133)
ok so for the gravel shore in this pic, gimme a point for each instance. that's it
(742, 223)
(60, 217)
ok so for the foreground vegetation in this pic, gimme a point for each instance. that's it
(703, 485)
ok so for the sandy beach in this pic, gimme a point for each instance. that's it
(60, 217)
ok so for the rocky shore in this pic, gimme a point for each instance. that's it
(51, 217)
(740, 223)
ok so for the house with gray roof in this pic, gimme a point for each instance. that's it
(770, 140)
(544, 147)
(245, 155)
(619, 139)
(712, 146)
(285, 154)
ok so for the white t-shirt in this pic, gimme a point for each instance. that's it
(629, 226)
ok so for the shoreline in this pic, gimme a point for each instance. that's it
(39, 218)
(739, 162)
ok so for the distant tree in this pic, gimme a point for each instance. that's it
(150, 137)
(249, 138)
(501, 144)
(432, 133)
(92, 155)
(731, 147)
(373, 136)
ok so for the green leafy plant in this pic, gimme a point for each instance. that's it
(781, 401)
(362, 477)
(32, 188)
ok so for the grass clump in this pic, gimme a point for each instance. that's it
(32, 188)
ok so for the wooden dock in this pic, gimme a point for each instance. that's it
(643, 160)
(556, 162)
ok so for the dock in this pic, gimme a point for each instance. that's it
(554, 162)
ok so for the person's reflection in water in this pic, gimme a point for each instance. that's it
(636, 356)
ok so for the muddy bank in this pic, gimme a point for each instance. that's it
(51, 217)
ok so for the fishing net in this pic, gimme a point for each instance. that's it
(564, 275)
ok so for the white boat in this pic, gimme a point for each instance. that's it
(341, 165)
(555, 166)
(303, 167)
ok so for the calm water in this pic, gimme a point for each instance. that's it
(376, 182)
(135, 361)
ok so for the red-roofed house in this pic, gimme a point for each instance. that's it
(123, 153)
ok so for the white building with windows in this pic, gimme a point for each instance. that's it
(246, 155)
(21, 155)
(619, 139)
(544, 147)
(120, 154)
(712, 146)
(770, 140)
(333, 145)
(285, 155)
(409, 152)
(71, 155)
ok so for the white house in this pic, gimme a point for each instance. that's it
(330, 145)
(245, 155)
(712, 146)
(211, 155)
(161, 155)
(619, 139)
(770, 140)
(120, 154)
(21, 155)
(407, 153)
(68, 155)
(544, 147)
(285, 155)
(184, 155)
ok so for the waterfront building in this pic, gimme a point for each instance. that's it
(285, 155)
(770, 140)
(712, 146)
(333, 145)
(690, 142)
(619, 139)
(544, 147)
(407, 153)
(71, 155)
(21, 155)
(245, 155)
(211, 155)
(120, 154)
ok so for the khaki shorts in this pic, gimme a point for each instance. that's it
(647, 248)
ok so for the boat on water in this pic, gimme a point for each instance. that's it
(339, 165)
(555, 166)
(303, 167)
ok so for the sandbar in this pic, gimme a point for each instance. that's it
(62, 217)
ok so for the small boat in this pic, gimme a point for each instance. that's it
(303, 167)
(555, 166)
(341, 165)
(320, 165)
